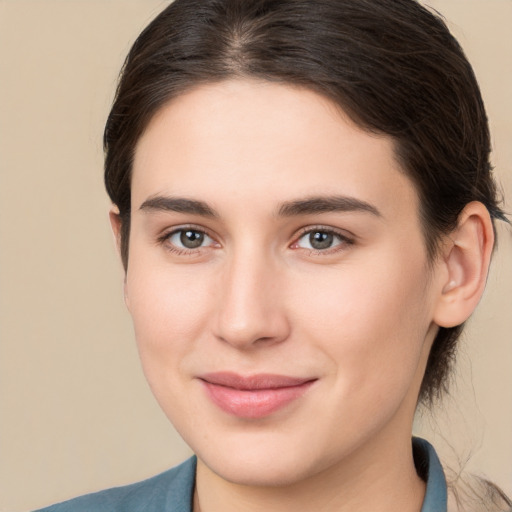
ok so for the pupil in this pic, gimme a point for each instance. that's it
(321, 240)
(191, 239)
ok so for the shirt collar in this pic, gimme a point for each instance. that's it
(429, 468)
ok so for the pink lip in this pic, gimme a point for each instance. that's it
(255, 396)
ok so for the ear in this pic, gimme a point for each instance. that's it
(115, 224)
(465, 257)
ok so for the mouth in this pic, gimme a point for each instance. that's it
(254, 396)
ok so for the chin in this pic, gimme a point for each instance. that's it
(267, 471)
(265, 459)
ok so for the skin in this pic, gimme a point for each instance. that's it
(358, 317)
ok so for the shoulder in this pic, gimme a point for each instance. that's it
(170, 491)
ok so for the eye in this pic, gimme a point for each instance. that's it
(321, 240)
(189, 239)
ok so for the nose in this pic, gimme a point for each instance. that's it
(250, 311)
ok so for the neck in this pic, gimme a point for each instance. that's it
(378, 476)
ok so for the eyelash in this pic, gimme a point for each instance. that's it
(342, 238)
(164, 240)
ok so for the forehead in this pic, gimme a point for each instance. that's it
(258, 143)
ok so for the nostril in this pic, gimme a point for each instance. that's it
(260, 332)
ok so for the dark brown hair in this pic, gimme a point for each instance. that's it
(391, 65)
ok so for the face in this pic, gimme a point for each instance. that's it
(278, 281)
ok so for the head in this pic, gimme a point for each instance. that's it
(392, 67)
(392, 91)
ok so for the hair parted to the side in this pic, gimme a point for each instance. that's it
(391, 65)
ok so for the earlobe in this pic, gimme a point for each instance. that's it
(466, 257)
(125, 295)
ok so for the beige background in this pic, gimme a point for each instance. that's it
(76, 414)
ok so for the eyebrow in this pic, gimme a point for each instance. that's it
(179, 205)
(322, 204)
(307, 206)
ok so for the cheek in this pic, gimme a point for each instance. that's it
(370, 321)
(169, 308)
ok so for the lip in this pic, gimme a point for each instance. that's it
(254, 396)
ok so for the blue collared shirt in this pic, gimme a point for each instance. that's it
(173, 490)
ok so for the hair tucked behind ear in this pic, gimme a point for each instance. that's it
(391, 65)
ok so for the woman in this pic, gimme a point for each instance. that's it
(304, 208)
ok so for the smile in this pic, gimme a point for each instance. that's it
(255, 396)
